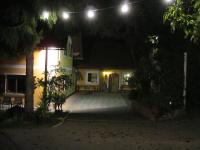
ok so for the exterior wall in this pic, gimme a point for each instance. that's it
(82, 82)
(84, 85)
(56, 58)
(17, 66)
(13, 66)
(67, 62)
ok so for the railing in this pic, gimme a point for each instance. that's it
(88, 88)
(8, 100)
(126, 88)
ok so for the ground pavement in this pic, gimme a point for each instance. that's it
(105, 133)
(138, 134)
(97, 102)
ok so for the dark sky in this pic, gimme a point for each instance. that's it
(103, 39)
(105, 53)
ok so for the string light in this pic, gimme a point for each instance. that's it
(45, 15)
(65, 15)
(169, 1)
(91, 14)
(124, 8)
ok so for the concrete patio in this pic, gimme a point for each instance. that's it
(97, 102)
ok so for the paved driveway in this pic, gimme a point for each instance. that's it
(97, 103)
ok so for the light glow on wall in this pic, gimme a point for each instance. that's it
(53, 59)
(107, 73)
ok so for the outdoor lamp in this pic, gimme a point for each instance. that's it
(91, 14)
(45, 14)
(124, 8)
(65, 15)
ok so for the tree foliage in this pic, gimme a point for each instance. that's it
(185, 15)
(57, 87)
(18, 26)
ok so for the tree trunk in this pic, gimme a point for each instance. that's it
(29, 83)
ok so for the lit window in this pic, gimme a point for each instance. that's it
(126, 77)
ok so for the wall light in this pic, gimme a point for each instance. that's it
(105, 73)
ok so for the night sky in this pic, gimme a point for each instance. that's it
(103, 39)
(105, 53)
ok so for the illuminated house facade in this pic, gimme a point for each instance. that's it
(107, 66)
(106, 80)
(13, 70)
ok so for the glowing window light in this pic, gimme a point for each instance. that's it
(128, 75)
(53, 59)
(65, 15)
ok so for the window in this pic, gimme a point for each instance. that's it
(21, 84)
(126, 77)
(2, 84)
(16, 83)
(11, 84)
(92, 77)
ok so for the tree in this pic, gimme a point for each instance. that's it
(185, 14)
(21, 32)
(19, 36)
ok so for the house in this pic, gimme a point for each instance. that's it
(102, 79)
(13, 70)
(106, 66)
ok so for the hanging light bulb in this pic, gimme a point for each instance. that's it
(65, 15)
(45, 15)
(91, 14)
(124, 8)
(168, 1)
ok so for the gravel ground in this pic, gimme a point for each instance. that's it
(111, 134)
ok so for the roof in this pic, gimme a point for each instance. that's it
(105, 53)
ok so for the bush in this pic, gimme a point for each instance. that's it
(56, 93)
(156, 104)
